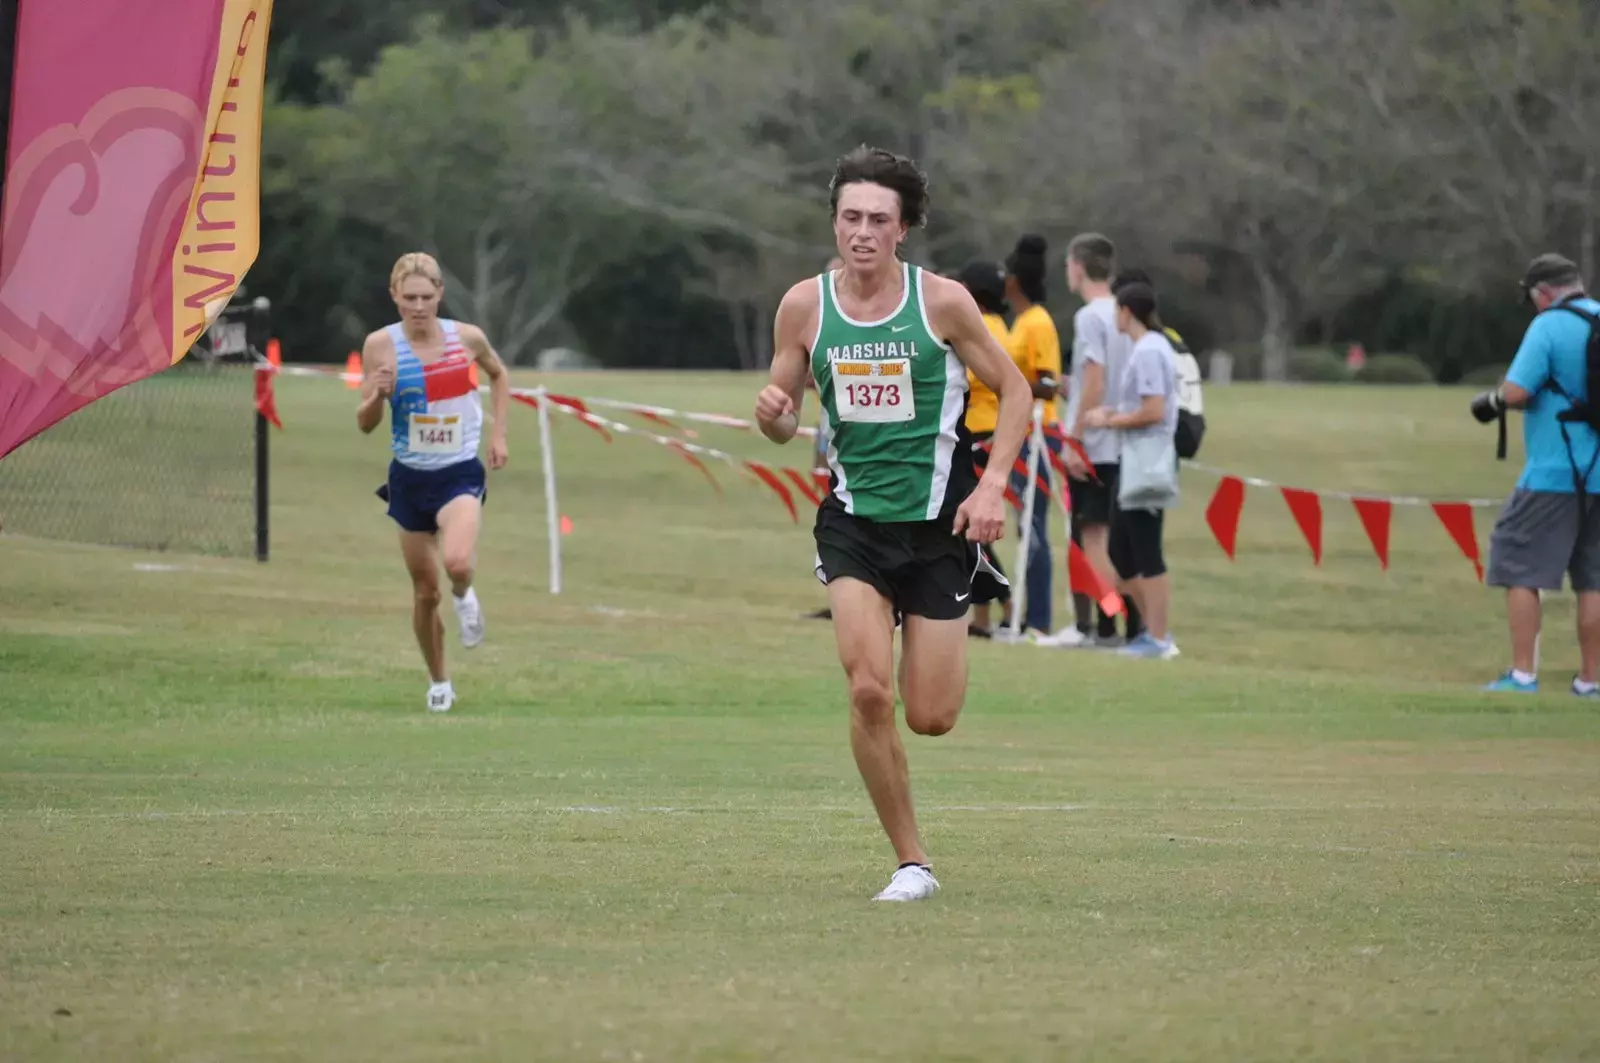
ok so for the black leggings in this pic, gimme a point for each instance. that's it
(1136, 543)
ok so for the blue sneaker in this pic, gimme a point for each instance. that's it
(1510, 684)
(1149, 648)
(1593, 692)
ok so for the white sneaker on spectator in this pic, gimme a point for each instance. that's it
(1067, 638)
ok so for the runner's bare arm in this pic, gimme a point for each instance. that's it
(488, 359)
(377, 380)
(956, 319)
(778, 405)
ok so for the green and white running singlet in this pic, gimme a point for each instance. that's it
(895, 398)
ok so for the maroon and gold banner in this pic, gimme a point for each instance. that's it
(131, 207)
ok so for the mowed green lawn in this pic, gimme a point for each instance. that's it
(231, 831)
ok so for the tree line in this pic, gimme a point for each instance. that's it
(642, 179)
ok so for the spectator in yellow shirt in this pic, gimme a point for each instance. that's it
(1035, 346)
(987, 283)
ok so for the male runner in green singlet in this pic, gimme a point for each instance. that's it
(903, 530)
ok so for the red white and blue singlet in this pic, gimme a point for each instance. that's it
(435, 411)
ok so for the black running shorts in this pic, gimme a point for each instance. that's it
(922, 567)
(1092, 502)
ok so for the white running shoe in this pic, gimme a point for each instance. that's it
(1069, 638)
(911, 883)
(441, 697)
(470, 613)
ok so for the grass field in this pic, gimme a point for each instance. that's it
(232, 832)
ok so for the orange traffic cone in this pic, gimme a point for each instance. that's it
(352, 371)
(274, 354)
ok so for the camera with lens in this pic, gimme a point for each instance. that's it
(1491, 406)
(1488, 405)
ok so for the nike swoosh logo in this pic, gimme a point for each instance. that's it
(899, 328)
(963, 597)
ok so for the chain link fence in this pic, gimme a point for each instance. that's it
(167, 463)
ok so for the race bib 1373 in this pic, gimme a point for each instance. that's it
(873, 391)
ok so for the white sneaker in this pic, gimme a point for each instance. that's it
(912, 883)
(441, 697)
(1069, 638)
(470, 613)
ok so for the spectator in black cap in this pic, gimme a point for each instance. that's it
(1549, 526)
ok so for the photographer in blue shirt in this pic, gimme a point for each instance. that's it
(1550, 525)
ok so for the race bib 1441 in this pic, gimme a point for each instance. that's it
(432, 434)
(873, 391)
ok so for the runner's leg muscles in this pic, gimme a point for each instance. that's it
(421, 555)
(863, 625)
(458, 540)
(933, 673)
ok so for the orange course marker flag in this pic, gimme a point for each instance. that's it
(1086, 580)
(352, 371)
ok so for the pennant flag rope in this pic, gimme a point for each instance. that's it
(1222, 514)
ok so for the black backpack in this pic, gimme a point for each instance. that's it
(1191, 405)
(1584, 410)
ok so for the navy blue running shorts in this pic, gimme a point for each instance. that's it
(416, 496)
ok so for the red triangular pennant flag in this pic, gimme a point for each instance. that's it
(657, 419)
(1223, 513)
(1059, 465)
(266, 400)
(798, 478)
(694, 459)
(526, 399)
(1375, 514)
(1307, 510)
(1086, 579)
(582, 409)
(1020, 467)
(1457, 520)
(770, 478)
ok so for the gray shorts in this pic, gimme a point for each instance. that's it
(1539, 537)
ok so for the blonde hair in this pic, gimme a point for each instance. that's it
(415, 264)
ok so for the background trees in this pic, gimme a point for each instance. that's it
(642, 179)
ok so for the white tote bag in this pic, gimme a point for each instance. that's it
(1148, 477)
